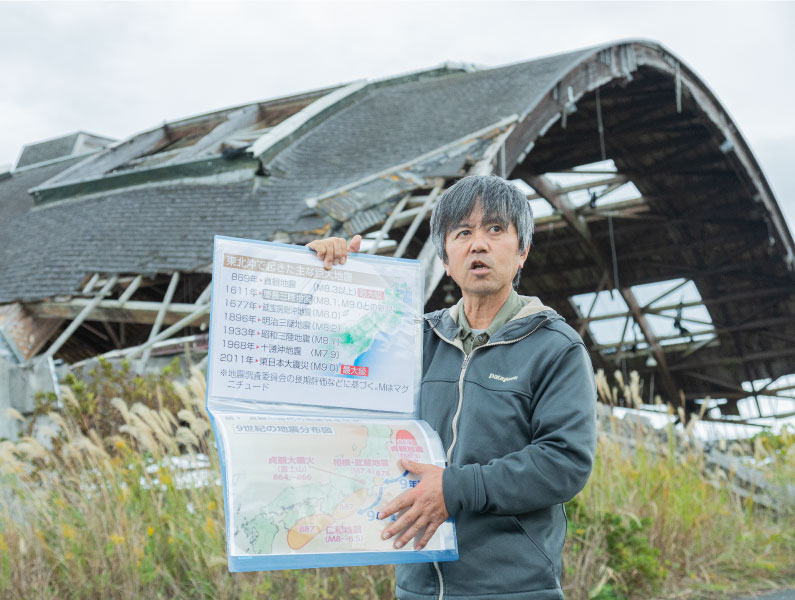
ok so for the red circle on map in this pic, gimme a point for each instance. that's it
(406, 435)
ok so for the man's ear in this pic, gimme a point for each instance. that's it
(523, 256)
(446, 268)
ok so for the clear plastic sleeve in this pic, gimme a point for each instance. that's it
(313, 387)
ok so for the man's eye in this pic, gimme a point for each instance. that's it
(462, 233)
(496, 228)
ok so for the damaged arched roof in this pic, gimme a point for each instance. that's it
(705, 212)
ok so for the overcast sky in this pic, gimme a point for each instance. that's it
(117, 68)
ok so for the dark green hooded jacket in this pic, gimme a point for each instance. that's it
(517, 418)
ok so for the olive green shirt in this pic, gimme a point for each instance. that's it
(472, 340)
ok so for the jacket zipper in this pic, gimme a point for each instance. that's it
(463, 372)
(460, 403)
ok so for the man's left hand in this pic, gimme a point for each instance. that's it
(424, 504)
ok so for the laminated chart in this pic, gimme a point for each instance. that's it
(305, 492)
(283, 329)
(313, 377)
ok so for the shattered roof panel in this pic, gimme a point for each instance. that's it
(170, 227)
(188, 140)
(392, 124)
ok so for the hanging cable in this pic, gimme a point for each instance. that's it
(613, 250)
(678, 318)
(600, 125)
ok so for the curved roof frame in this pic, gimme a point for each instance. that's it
(617, 61)
(586, 75)
(588, 71)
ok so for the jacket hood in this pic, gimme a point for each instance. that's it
(445, 321)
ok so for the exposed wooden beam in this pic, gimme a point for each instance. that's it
(172, 287)
(750, 295)
(584, 322)
(269, 144)
(736, 360)
(95, 331)
(767, 388)
(390, 220)
(729, 385)
(199, 312)
(132, 311)
(566, 189)
(205, 295)
(749, 422)
(127, 294)
(663, 338)
(237, 119)
(748, 238)
(636, 208)
(665, 293)
(582, 271)
(485, 165)
(82, 316)
(560, 202)
(547, 189)
(420, 216)
(112, 334)
(91, 282)
(669, 386)
(714, 331)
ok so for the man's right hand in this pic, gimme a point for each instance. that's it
(334, 251)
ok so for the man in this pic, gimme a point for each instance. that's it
(509, 388)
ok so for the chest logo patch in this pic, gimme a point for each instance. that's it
(503, 379)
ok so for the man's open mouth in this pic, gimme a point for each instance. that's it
(479, 267)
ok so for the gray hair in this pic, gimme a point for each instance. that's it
(503, 203)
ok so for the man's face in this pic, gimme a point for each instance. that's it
(483, 257)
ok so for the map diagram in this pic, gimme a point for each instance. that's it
(359, 330)
(313, 486)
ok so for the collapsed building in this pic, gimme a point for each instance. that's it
(657, 235)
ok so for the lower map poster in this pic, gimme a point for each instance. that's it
(305, 491)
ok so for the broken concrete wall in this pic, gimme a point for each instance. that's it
(19, 384)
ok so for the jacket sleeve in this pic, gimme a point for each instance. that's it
(555, 466)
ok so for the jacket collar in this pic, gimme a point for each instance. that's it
(445, 322)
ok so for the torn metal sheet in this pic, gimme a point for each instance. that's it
(366, 219)
(448, 161)
(346, 204)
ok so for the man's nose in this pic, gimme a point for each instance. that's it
(479, 242)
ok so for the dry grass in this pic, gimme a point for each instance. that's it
(110, 515)
(694, 537)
